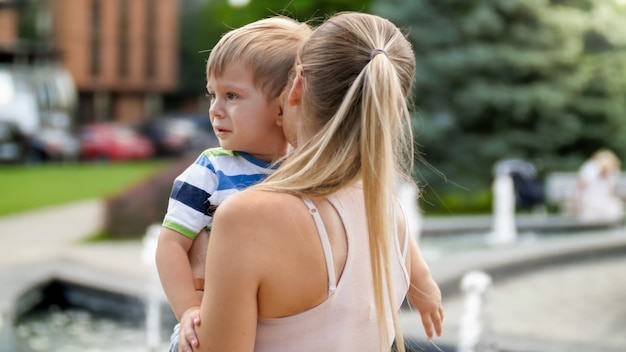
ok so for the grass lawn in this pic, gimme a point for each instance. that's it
(34, 186)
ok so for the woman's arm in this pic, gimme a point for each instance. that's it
(424, 294)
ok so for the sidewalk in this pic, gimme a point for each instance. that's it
(528, 309)
(47, 232)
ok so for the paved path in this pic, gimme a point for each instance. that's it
(48, 232)
(556, 305)
(575, 306)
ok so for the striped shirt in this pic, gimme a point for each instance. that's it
(215, 175)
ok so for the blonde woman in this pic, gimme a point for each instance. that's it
(596, 197)
(317, 257)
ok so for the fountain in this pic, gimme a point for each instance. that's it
(74, 317)
(504, 229)
(70, 313)
(474, 286)
(9, 342)
(155, 292)
(408, 194)
(514, 185)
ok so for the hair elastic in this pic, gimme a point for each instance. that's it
(378, 51)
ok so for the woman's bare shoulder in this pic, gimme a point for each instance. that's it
(258, 201)
(257, 208)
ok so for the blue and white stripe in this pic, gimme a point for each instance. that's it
(215, 175)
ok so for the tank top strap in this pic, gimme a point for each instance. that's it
(405, 242)
(321, 230)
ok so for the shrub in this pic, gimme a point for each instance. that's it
(129, 213)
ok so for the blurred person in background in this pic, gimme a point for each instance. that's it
(596, 197)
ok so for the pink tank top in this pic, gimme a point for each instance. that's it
(346, 321)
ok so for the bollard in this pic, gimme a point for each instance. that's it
(504, 228)
(474, 284)
(153, 297)
(408, 195)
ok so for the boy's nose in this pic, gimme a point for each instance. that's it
(215, 111)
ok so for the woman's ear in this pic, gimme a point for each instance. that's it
(295, 93)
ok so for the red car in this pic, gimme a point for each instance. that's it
(112, 141)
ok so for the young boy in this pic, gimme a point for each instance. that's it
(246, 73)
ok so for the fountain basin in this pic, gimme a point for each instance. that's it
(71, 317)
(66, 286)
(509, 260)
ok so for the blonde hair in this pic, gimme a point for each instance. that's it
(358, 73)
(268, 47)
(607, 161)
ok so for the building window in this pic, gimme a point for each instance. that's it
(151, 56)
(95, 38)
(123, 40)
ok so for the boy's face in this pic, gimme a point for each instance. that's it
(242, 117)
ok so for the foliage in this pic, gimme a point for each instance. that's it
(129, 213)
(499, 79)
(204, 22)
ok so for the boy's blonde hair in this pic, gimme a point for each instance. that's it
(358, 74)
(268, 47)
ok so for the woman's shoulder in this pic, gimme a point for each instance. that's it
(255, 199)
(260, 219)
(257, 205)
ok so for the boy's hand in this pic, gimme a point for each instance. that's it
(187, 339)
(425, 295)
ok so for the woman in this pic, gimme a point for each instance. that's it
(596, 197)
(317, 257)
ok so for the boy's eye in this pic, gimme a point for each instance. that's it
(211, 96)
(231, 96)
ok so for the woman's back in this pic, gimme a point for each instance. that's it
(346, 320)
(286, 261)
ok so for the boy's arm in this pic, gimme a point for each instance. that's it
(175, 271)
(424, 294)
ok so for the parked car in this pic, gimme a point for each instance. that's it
(205, 136)
(113, 141)
(55, 140)
(176, 135)
(12, 143)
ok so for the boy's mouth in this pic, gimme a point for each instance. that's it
(220, 131)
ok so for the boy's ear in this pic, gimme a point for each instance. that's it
(279, 118)
(281, 100)
(295, 93)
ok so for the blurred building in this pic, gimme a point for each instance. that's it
(8, 21)
(122, 54)
(64, 63)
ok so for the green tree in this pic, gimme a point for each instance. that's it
(203, 23)
(497, 79)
